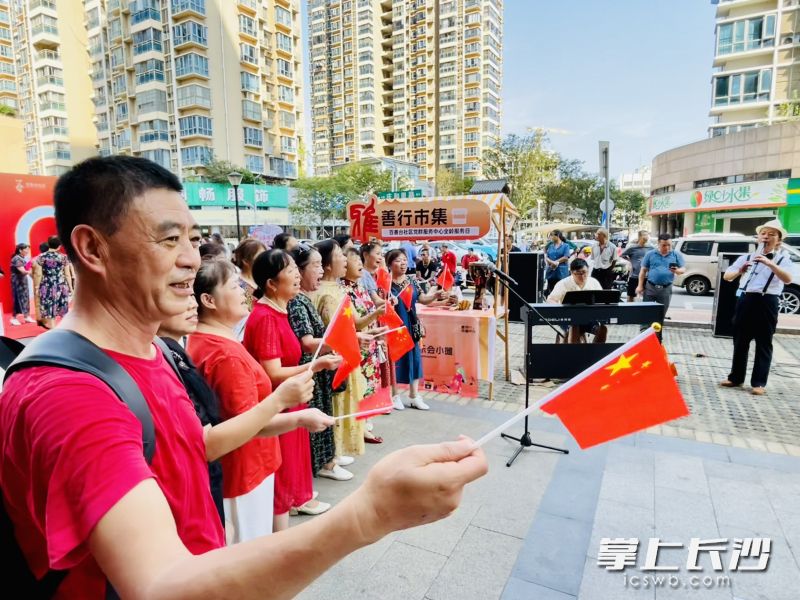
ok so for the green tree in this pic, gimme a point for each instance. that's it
(217, 171)
(322, 199)
(526, 163)
(7, 110)
(450, 183)
(573, 188)
(629, 207)
(790, 109)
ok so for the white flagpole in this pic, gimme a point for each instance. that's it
(373, 411)
(558, 391)
(390, 331)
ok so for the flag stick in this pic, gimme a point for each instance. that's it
(373, 411)
(559, 390)
(390, 331)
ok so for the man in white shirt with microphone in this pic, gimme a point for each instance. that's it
(762, 276)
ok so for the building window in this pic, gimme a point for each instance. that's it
(283, 41)
(286, 119)
(190, 31)
(151, 101)
(141, 10)
(194, 125)
(752, 86)
(150, 70)
(251, 110)
(191, 64)
(156, 130)
(248, 53)
(247, 25)
(196, 155)
(285, 93)
(283, 16)
(249, 82)
(253, 163)
(198, 6)
(284, 67)
(253, 136)
(121, 111)
(194, 95)
(748, 34)
(161, 157)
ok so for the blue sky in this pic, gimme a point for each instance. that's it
(634, 72)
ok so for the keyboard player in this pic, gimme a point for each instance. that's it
(579, 280)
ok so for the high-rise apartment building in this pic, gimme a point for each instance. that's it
(180, 81)
(8, 78)
(756, 63)
(53, 88)
(176, 81)
(416, 80)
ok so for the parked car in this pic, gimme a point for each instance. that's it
(793, 240)
(701, 253)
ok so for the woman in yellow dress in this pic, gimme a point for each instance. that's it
(348, 433)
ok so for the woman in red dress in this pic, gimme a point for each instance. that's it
(270, 339)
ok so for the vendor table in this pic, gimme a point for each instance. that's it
(457, 350)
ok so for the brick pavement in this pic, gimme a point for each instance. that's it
(730, 417)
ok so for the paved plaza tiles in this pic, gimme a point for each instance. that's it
(730, 471)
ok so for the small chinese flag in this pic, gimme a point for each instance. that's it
(399, 342)
(630, 390)
(406, 296)
(383, 280)
(445, 279)
(378, 403)
(390, 318)
(341, 337)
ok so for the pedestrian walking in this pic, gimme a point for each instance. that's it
(635, 253)
(762, 275)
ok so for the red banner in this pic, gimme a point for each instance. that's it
(26, 216)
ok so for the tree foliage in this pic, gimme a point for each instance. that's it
(7, 110)
(527, 164)
(790, 109)
(450, 183)
(322, 199)
(217, 171)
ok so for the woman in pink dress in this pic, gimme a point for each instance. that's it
(270, 339)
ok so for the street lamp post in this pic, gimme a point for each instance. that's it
(235, 179)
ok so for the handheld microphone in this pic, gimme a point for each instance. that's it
(493, 269)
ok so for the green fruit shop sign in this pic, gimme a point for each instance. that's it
(754, 194)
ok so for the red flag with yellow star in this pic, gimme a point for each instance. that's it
(445, 279)
(406, 295)
(632, 389)
(398, 342)
(383, 280)
(341, 337)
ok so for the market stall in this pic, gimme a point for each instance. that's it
(467, 217)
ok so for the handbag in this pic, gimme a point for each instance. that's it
(417, 328)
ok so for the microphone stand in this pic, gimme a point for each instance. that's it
(525, 439)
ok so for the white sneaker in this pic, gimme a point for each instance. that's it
(30, 320)
(337, 473)
(397, 402)
(15, 322)
(343, 460)
(419, 403)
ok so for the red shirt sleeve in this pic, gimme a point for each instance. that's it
(261, 336)
(235, 384)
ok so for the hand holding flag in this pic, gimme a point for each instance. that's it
(383, 280)
(445, 279)
(340, 335)
(398, 338)
(407, 296)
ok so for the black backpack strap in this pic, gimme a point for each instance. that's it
(70, 350)
(165, 350)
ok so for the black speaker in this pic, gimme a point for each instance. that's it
(527, 269)
(725, 297)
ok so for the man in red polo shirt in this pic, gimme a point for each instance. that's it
(449, 258)
(74, 479)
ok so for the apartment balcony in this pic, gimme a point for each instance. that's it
(45, 37)
(189, 41)
(142, 19)
(46, 108)
(47, 58)
(50, 81)
(188, 8)
(730, 59)
(50, 133)
(42, 7)
(250, 6)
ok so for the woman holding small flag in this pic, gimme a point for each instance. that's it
(349, 432)
(269, 338)
(408, 368)
(309, 328)
(367, 316)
